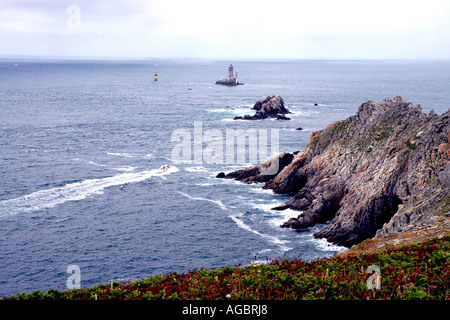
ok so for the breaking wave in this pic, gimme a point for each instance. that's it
(76, 191)
(271, 239)
(218, 202)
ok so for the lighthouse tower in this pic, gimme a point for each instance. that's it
(230, 72)
(231, 80)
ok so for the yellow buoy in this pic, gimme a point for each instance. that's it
(156, 76)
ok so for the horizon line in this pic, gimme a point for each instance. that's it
(107, 58)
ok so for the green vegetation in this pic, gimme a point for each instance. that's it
(410, 145)
(419, 271)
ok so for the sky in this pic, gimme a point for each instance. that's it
(231, 29)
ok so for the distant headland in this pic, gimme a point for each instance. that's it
(231, 80)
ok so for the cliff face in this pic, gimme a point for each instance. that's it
(380, 172)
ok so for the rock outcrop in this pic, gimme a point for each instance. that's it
(272, 106)
(262, 172)
(381, 172)
(231, 82)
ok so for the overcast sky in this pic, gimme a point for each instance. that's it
(238, 29)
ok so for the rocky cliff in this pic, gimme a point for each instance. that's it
(380, 172)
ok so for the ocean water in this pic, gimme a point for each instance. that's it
(81, 144)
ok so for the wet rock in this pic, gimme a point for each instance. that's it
(272, 106)
(282, 117)
(261, 172)
(220, 175)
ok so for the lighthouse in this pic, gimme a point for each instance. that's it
(230, 72)
(231, 80)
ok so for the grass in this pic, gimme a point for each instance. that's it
(415, 271)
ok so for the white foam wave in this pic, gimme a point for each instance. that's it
(238, 110)
(264, 251)
(256, 263)
(125, 168)
(97, 164)
(280, 217)
(265, 207)
(258, 189)
(218, 202)
(271, 239)
(196, 169)
(76, 191)
(324, 245)
(120, 154)
(277, 217)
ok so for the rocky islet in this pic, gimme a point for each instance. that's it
(270, 107)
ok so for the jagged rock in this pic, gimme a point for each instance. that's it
(299, 129)
(272, 106)
(282, 117)
(380, 172)
(221, 175)
(261, 172)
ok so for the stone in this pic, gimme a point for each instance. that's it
(271, 106)
(261, 172)
(221, 175)
(282, 117)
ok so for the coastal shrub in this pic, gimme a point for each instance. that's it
(415, 293)
(417, 271)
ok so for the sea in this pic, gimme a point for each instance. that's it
(82, 143)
